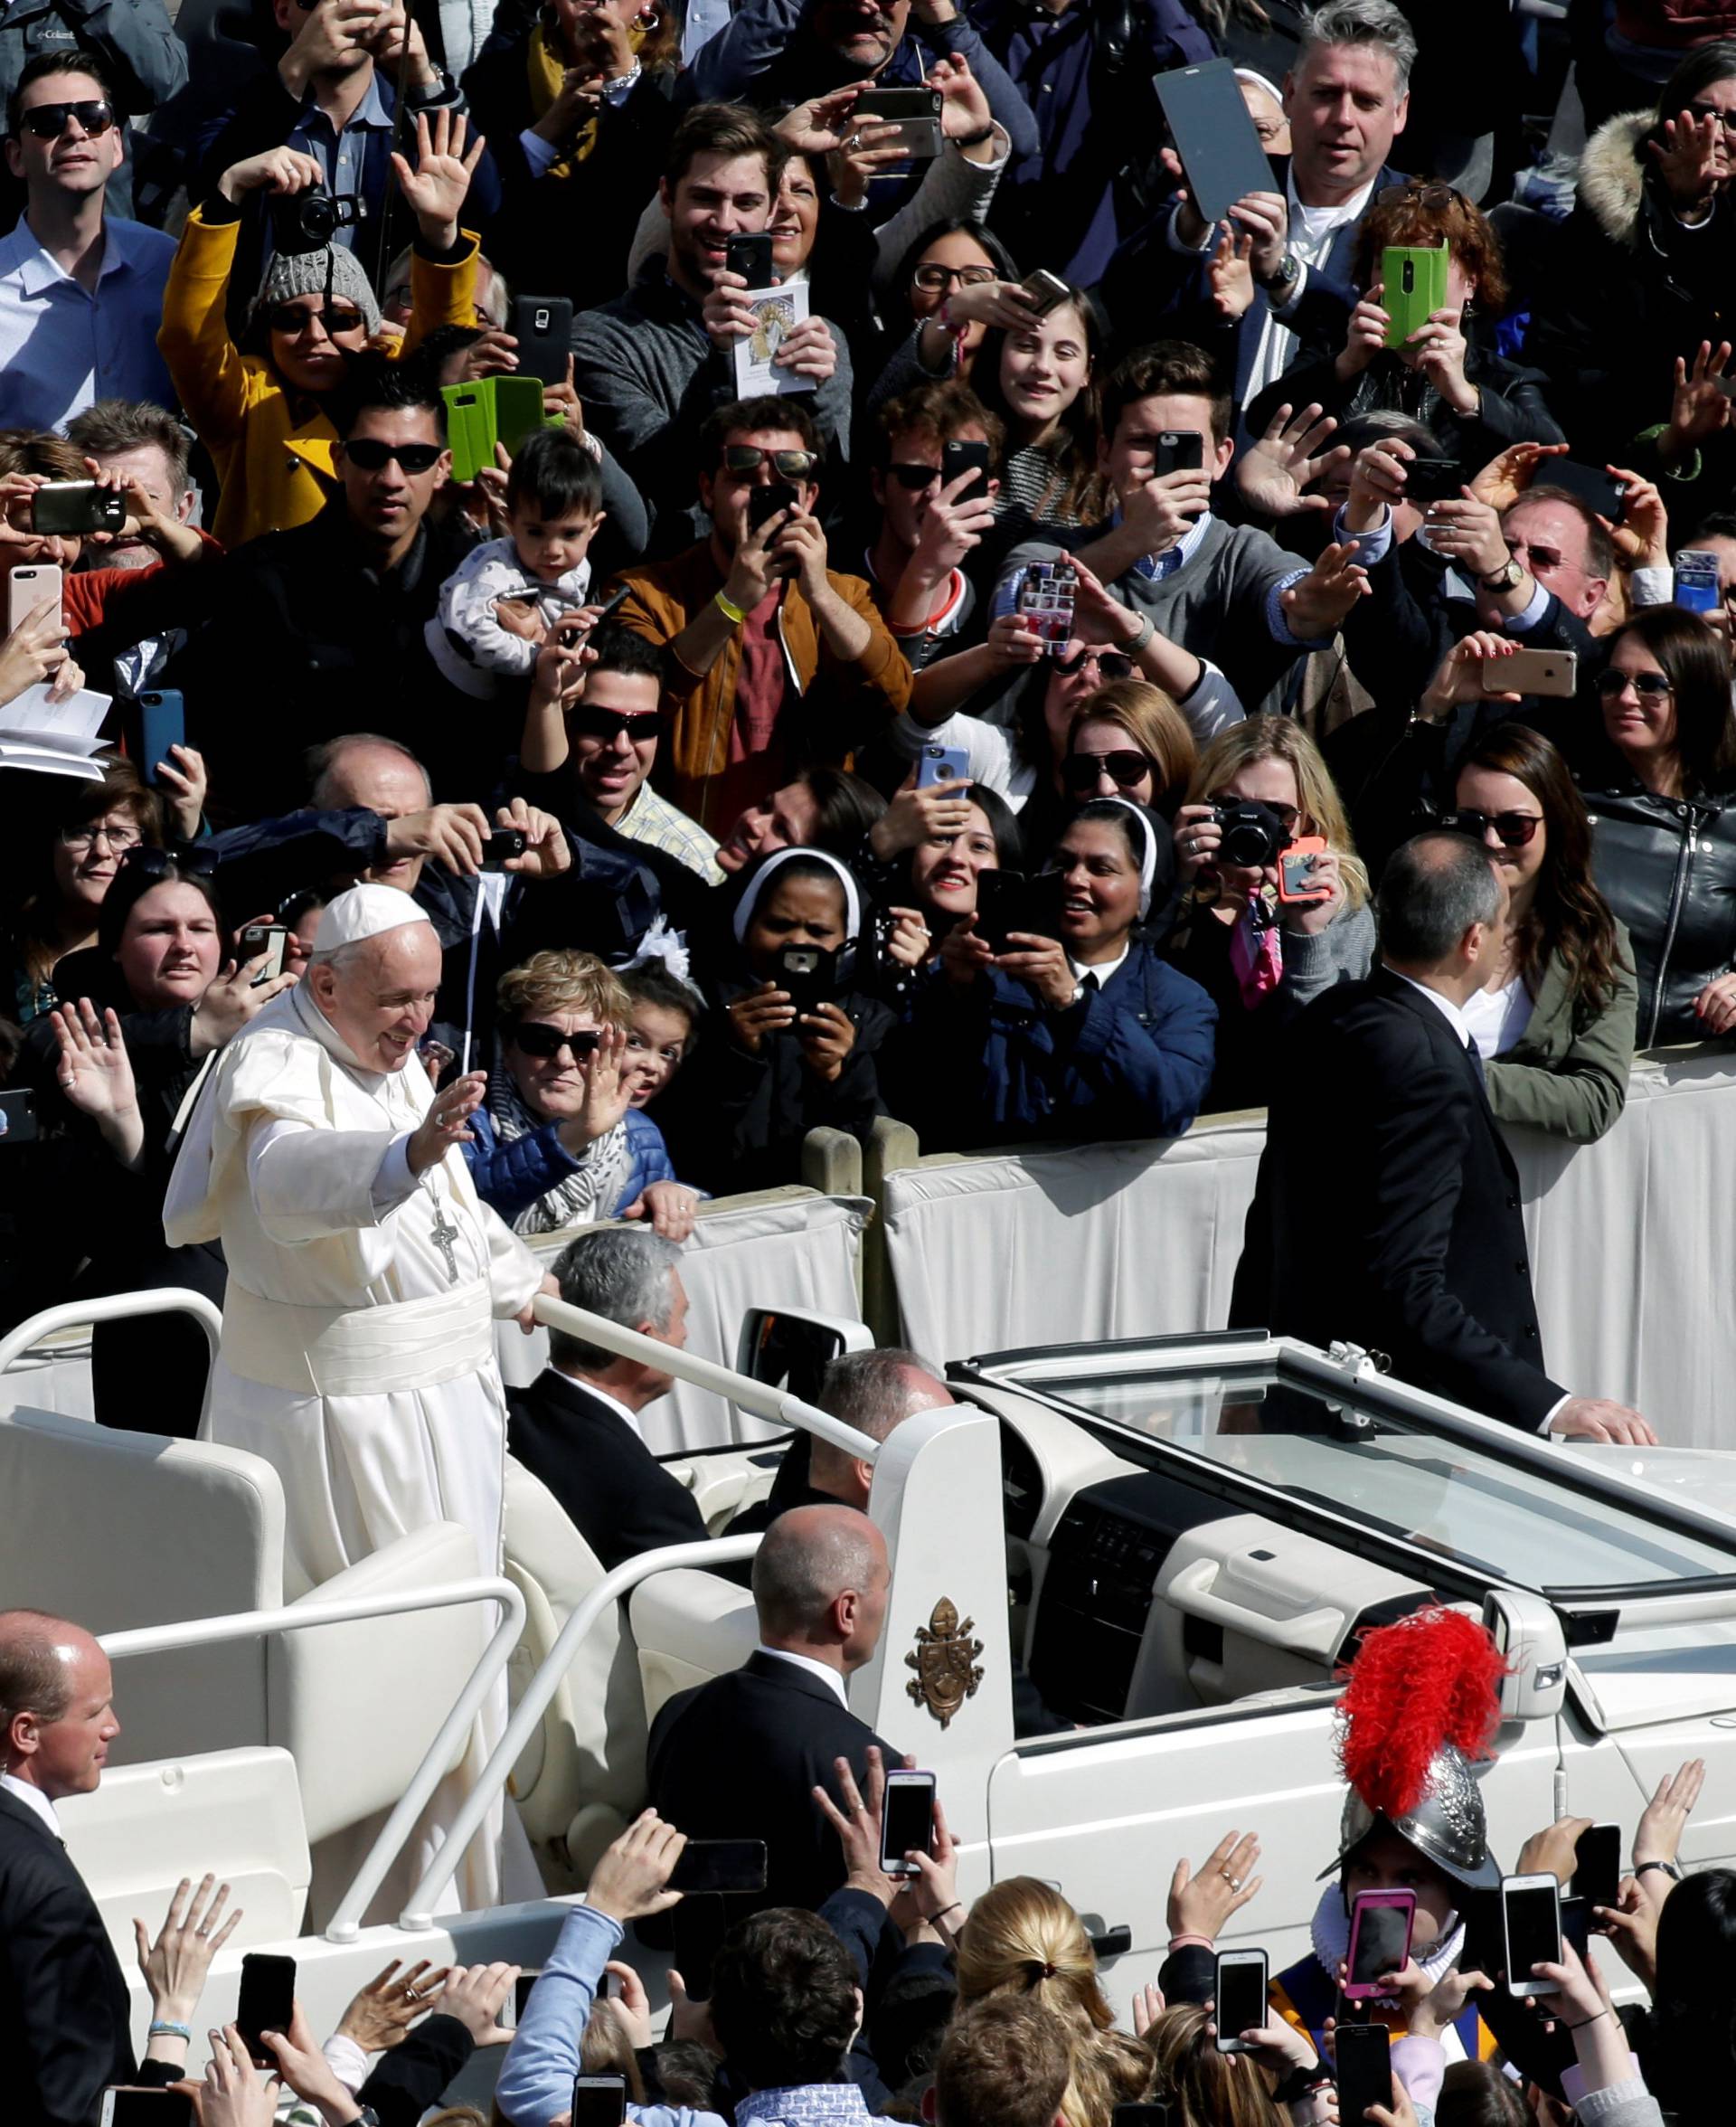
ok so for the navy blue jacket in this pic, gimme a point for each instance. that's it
(990, 1065)
(511, 1174)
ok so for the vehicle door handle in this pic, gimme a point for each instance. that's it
(1113, 1943)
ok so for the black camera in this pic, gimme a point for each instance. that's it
(1251, 834)
(304, 221)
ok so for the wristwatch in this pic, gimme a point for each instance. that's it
(1134, 643)
(1290, 271)
(1669, 1868)
(1506, 577)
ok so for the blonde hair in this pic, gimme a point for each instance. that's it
(562, 982)
(1022, 1937)
(1206, 2087)
(1151, 719)
(1275, 738)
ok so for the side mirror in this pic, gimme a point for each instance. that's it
(1529, 1633)
(790, 1349)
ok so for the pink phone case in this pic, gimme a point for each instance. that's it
(1385, 1902)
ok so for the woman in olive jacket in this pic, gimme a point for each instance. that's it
(1555, 1023)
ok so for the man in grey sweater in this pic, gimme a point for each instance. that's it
(1228, 593)
(651, 365)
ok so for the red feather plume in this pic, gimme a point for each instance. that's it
(1433, 1678)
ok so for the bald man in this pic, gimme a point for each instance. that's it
(740, 1757)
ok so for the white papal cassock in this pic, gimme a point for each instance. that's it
(357, 1352)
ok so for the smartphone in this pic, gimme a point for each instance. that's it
(1597, 1865)
(146, 2108)
(750, 257)
(1531, 1916)
(1294, 871)
(521, 1987)
(1240, 1994)
(272, 940)
(163, 717)
(610, 605)
(1007, 902)
(807, 974)
(598, 2100)
(18, 1117)
(1380, 1939)
(916, 112)
(77, 506)
(503, 843)
(1533, 672)
(1046, 597)
(1433, 480)
(1363, 2064)
(957, 457)
(765, 503)
(722, 1865)
(1214, 136)
(28, 586)
(1696, 580)
(1045, 289)
(1576, 1925)
(268, 2002)
(1179, 450)
(543, 326)
(907, 1821)
(942, 764)
(1413, 287)
(1600, 491)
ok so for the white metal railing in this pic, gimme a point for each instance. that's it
(73, 1314)
(491, 1782)
(345, 1922)
(776, 1406)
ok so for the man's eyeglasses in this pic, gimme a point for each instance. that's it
(1110, 664)
(748, 458)
(47, 121)
(940, 280)
(608, 725)
(536, 1038)
(373, 454)
(336, 317)
(1125, 767)
(119, 840)
(916, 477)
(1513, 831)
(1650, 687)
(1726, 119)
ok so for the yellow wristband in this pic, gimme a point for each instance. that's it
(734, 614)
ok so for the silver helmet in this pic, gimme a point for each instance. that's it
(1447, 1825)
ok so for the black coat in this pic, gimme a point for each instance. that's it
(1387, 1208)
(611, 1488)
(1667, 867)
(64, 2013)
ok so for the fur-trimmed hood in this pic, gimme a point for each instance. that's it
(1613, 174)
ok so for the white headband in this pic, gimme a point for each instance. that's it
(1148, 849)
(750, 900)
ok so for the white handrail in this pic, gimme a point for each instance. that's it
(73, 1314)
(419, 1915)
(345, 1922)
(776, 1406)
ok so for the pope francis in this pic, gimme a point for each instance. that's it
(364, 1275)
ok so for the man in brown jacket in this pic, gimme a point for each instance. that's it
(770, 660)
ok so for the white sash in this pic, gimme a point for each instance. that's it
(407, 1343)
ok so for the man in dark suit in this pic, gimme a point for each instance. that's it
(740, 1757)
(576, 1427)
(1387, 1208)
(64, 2011)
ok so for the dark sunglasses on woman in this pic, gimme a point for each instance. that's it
(1125, 767)
(336, 317)
(536, 1038)
(1110, 664)
(1514, 831)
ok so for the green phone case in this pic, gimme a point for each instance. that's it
(1413, 282)
(493, 409)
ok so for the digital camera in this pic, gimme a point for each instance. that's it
(306, 220)
(1251, 834)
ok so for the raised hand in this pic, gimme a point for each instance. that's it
(447, 1122)
(1699, 405)
(1231, 273)
(175, 1965)
(434, 189)
(381, 2015)
(1288, 458)
(1200, 1904)
(1318, 605)
(1691, 159)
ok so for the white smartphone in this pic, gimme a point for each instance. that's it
(1239, 1997)
(1531, 1914)
(28, 586)
(907, 1820)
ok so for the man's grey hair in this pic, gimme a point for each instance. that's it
(805, 1561)
(871, 1390)
(1363, 22)
(626, 1277)
(1434, 888)
(325, 763)
(492, 305)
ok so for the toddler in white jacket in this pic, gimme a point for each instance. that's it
(554, 493)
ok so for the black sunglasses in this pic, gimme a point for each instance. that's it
(539, 1039)
(336, 318)
(47, 121)
(179, 856)
(608, 725)
(1110, 664)
(1514, 830)
(915, 477)
(748, 458)
(374, 456)
(1125, 767)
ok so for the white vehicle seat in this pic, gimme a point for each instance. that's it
(724, 1486)
(689, 1627)
(582, 1777)
(123, 1529)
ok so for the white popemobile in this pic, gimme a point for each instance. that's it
(1180, 1535)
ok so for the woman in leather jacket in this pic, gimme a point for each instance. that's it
(1663, 852)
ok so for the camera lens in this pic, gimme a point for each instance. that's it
(1251, 836)
(318, 218)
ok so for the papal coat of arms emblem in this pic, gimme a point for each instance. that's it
(945, 1661)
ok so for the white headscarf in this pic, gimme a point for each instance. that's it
(1148, 849)
(756, 887)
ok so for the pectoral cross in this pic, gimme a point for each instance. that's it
(443, 1234)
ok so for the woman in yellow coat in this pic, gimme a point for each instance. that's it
(259, 408)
